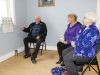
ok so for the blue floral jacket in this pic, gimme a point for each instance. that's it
(87, 41)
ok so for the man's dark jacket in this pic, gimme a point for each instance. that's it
(42, 33)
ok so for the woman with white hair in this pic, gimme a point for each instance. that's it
(84, 48)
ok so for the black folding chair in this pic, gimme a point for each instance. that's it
(93, 61)
(43, 45)
(89, 64)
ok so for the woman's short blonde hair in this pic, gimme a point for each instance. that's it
(73, 15)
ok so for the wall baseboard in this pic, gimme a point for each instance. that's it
(52, 48)
(12, 53)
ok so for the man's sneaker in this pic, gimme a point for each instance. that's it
(27, 56)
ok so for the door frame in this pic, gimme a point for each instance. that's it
(98, 14)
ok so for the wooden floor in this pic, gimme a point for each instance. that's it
(17, 65)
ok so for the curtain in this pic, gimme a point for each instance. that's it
(7, 9)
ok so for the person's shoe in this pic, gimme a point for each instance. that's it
(27, 56)
(62, 64)
(79, 68)
(59, 62)
(33, 61)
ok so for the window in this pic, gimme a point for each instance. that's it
(7, 9)
(3, 8)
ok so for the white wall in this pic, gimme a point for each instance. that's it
(14, 40)
(56, 17)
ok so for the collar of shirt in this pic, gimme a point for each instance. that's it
(72, 25)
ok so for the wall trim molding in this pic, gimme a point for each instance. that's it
(52, 48)
(12, 53)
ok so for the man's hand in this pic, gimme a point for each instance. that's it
(23, 28)
(73, 43)
(38, 37)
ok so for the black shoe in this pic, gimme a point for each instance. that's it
(79, 68)
(27, 56)
(62, 64)
(59, 62)
(33, 61)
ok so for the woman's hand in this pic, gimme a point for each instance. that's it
(62, 40)
(73, 43)
(65, 42)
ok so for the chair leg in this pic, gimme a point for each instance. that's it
(45, 46)
(98, 72)
(30, 44)
(41, 49)
(98, 69)
(34, 46)
(94, 69)
(85, 70)
(89, 69)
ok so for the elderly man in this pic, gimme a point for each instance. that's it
(37, 34)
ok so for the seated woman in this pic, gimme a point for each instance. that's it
(73, 28)
(85, 45)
